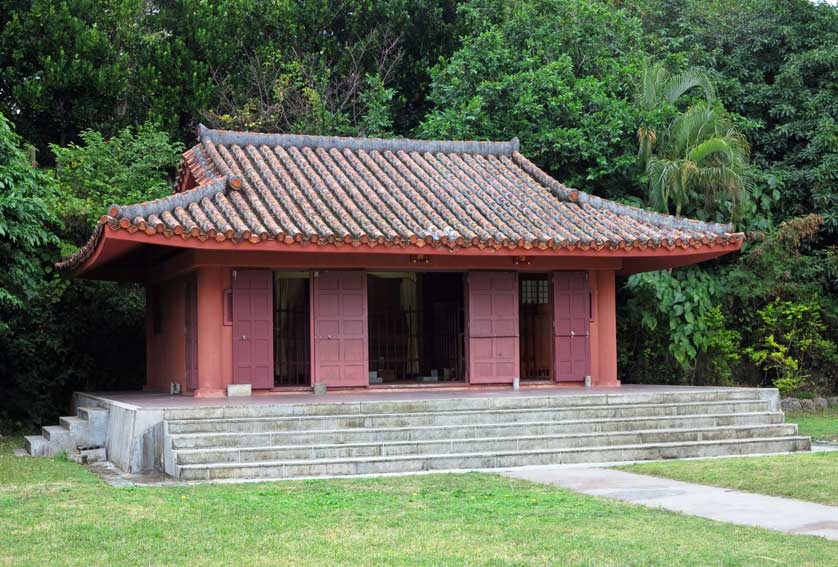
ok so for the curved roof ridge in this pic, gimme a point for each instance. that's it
(365, 144)
(173, 201)
(574, 195)
(652, 217)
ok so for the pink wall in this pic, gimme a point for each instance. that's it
(165, 344)
(215, 340)
(166, 351)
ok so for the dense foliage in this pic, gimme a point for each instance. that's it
(720, 110)
(133, 166)
(557, 74)
(51, 341)
(26, 223)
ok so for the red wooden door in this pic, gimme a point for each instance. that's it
(253, 328)
(493, 355)
(341, 352)
(571, 326)
(191, 327)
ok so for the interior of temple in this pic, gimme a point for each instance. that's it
(416, 327)
(292, 320)
(535, 327)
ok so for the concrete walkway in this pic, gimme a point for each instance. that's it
(722, 504)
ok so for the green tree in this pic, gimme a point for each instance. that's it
(658, 87)
(75, 65)
(679, 301)
(790, 341)
(307, 93)
(135, 165)
(289, 66)
(51, 340)
(782, 270)
(26, 224)
(65, 66)
(775, 65)
(554, 73)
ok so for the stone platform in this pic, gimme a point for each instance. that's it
(297, 435)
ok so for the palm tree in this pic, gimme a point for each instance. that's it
(658, 86)
(701, 154)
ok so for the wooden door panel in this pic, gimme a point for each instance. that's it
(571, 324)
(253, 328)
(340, 329)
(493, 345)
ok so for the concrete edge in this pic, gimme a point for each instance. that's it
(126, 480)
(333, 399)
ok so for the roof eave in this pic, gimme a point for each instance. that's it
(105, 250)
(95, 259)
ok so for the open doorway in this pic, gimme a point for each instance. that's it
(535, 327)
(292, 340)
(416, 327)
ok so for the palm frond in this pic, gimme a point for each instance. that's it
(666, 183)
(720, 178)
(700, 154)
(676, 85)
(652, 76)
(658, 84)
(717, 148)
(700, 122)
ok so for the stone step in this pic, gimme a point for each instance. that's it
(59, 439)
(88, 428)
(92, 414)
(55, 432)
(72, 423)
(334, 405)
(488, 460)
(85, 433)
(96, 432)
(88, 412)
(37, 446)
(476, 445)
(470, 417)
(428, 433)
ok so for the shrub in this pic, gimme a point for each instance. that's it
(790, 341)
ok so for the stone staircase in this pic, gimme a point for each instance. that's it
(387, 436)
(88, 428)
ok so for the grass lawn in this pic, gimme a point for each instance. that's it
(806, 476)
(820, 426)
(54, 512)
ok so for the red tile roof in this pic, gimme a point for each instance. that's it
(393, 192)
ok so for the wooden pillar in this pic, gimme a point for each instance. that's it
(605, 296)
(214, 339)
